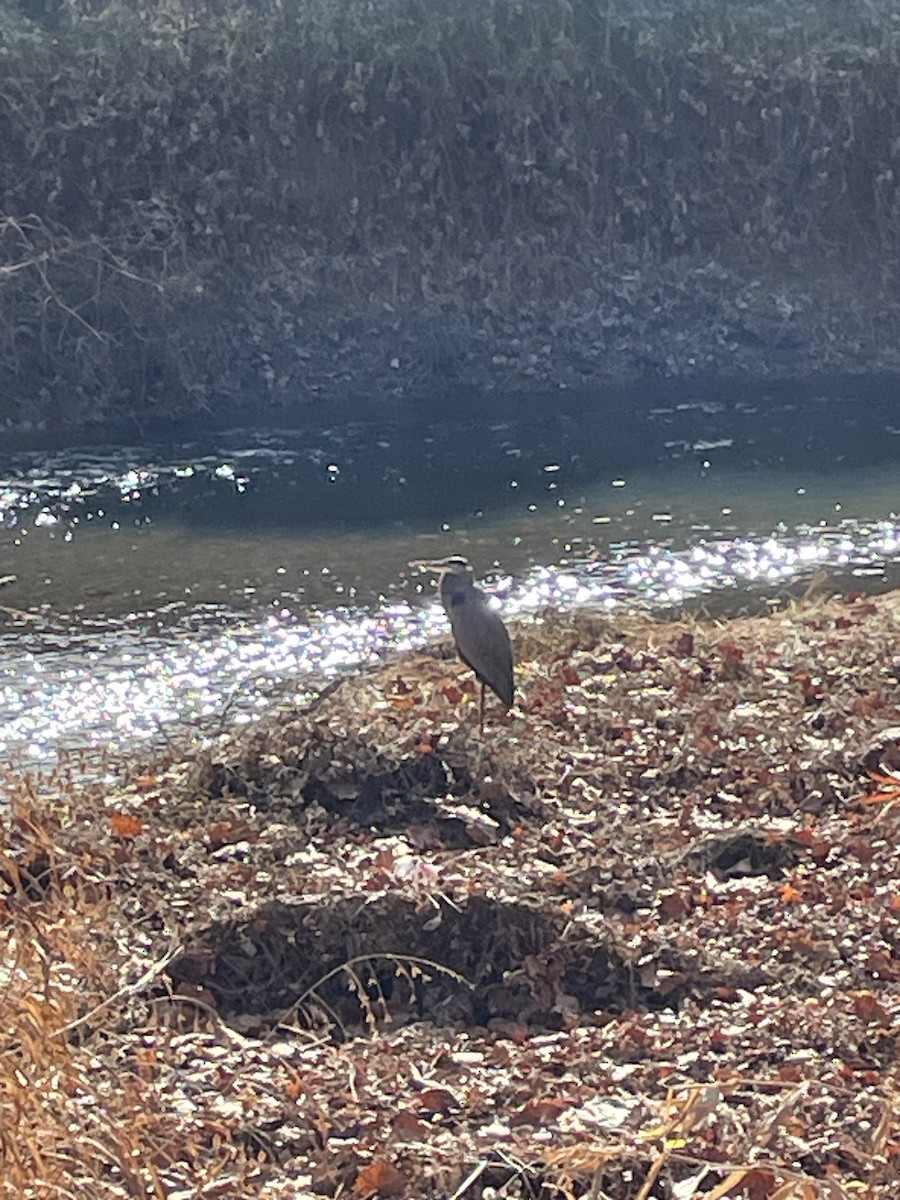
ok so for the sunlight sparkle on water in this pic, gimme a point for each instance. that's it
(178, 668)
(54, 484)
(124, 688)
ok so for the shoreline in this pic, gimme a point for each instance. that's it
(694, 326)
(684, 324)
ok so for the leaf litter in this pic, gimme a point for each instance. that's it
(641, 940)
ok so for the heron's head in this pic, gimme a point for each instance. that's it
(453, 564)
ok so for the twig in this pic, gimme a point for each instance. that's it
(474, 1174)
(652, 1176)
(130, 989)
(313, 990)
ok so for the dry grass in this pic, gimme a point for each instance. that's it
(84, 1109)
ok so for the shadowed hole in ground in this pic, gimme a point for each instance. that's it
(744, 852)
(390, 960)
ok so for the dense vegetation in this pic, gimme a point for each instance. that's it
(204, 204)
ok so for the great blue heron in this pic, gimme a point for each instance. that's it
(480, 635)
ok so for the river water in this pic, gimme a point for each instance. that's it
(166, 591)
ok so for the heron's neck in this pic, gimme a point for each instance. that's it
(455, 590)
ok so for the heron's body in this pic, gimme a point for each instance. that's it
(481, 637)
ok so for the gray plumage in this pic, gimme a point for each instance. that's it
(481, 637)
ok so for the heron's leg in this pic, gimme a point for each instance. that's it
(481, 713)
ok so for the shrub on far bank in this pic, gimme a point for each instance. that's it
(191, 189)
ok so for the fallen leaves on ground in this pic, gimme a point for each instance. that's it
(641, 941)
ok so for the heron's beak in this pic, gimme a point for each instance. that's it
(454, 564)
(428, 564)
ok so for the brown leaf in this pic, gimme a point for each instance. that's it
(812, 688)
(556, 840)
(673, 904)
(407, 1125)
(862, 607)
(882, 966)
(819, 851)
(384, 860)
(126, 825)
(861, 849)
(380, 1178)
(867, 1008)
(186, 990)
(437, 1100)
(684, 645)
(865, 706)
(538, 1112)
(226, 833)
(789, 1073)
(733, 666)
(889, 780)
(759, 1183)
(889, 788)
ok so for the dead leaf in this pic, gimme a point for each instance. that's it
(538, 1112)
(733, 666)
(126, 825)
(407, 1125)
(812, 689)
(437, 1100)
(867, 1008)
(380, 1178)
(684, 645)
(226, 833)
(889, 789)
(673, 904)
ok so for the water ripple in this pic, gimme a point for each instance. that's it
(113, 692)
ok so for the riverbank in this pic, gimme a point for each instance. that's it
(644, 933)
(698, 325)
(638, 327)
(274, 208)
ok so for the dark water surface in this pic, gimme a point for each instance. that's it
(170, 587)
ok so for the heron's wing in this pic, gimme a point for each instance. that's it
(483, 644)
